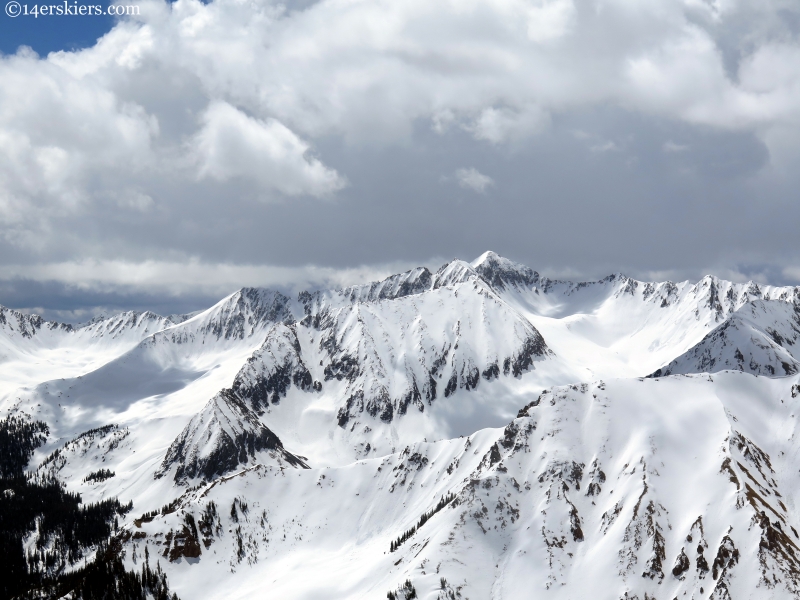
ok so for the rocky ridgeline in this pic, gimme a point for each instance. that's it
(225, 435)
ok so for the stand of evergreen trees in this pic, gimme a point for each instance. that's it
(405, 592)
(18, 439)
(65, 530)
(98, 476)
(105, 578)
(444, 501)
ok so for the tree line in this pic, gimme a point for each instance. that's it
(66, 532)
(444, 501)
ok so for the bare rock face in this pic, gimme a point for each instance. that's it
(273, 369)
(185, 542)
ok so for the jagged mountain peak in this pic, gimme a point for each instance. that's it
(759, 337)
(224, 435)
(27, 325)
(726, 297)
(454, 272)
(273, 369)
(382, 359)
(489, 268)
(240, 315)
(499, 272)
(413, 281)
(258, 300)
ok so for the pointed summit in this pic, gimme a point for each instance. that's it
(500, 272)
(223, 436)
(452, 273)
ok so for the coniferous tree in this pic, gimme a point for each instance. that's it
(66, 531)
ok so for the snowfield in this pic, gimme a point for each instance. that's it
(479, 432)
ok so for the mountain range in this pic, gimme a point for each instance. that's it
(478, 432)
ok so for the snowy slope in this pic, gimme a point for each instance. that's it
(621, 327)
(32, 349)
(382, 360)
(368, 369)
(339, 381)
(412, 349)
(165, 361)
(365, 370)
(396, 394)
(152, 391)
(758, 338)
(606, 490)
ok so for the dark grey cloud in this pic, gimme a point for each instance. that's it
(60, 302)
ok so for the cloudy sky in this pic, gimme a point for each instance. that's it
(200, 147)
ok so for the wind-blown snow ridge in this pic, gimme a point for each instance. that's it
(414, 281)
(242, 314)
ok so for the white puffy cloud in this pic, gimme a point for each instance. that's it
(252, 84)
(369, 69)
(57, 132)
(472, 179)
(231, 144)
(498, 125)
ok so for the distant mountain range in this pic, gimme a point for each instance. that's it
(478, 432)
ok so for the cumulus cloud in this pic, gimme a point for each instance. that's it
(253, 84)
(498, 125)
(56, 134)
(472, 179)
(231, 144)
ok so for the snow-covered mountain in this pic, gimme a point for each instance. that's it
(66, 349)
(220, 438)
(480, 432)
(615, 489)
(758, 337)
